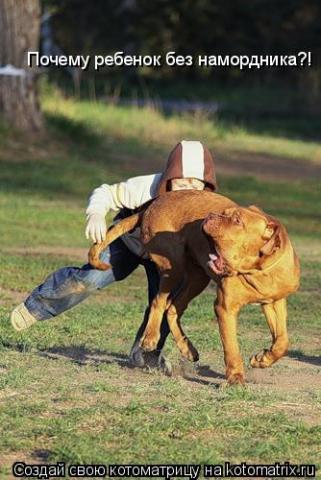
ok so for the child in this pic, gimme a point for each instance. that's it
(190, 166)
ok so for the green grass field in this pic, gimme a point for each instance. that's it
(66, 390)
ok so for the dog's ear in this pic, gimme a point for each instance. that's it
(272, 234)
(229, 211)
(256, 209)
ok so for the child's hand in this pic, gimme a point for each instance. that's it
(96, 227)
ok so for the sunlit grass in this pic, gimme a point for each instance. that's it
(66, 391)
(150, 126)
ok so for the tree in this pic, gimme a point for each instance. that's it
(19, 33)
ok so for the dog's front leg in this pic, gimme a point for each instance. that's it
(276, 316)
(227, 311)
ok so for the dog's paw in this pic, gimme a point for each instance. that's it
(149, 342)
(261, 360)
(236, 379)
(188, 350)
(193, 355)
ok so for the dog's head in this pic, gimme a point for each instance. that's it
(240, 238)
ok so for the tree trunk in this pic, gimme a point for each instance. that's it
(19, 33)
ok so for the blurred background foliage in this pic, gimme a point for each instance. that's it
(275, 100)
(198, 27)
(195, 27)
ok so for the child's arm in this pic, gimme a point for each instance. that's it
(100, 202)
(130, 194)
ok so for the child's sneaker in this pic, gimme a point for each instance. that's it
(21, 318)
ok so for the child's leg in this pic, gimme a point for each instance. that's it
(68, 286)
(65, 288)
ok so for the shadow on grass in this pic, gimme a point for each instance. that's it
(202, 372)
(200, 381)
(41, 454)
(69, 160)
(72, 130)
(78, 136)
(301, 357)
(274, 110)
(292, 125)
(56, 163)
(82, 356)
(206, 371)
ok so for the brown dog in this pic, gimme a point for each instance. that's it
(193, 236)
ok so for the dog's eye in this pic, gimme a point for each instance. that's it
(237, 220)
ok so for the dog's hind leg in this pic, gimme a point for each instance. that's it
(195, 282)
(276, 316)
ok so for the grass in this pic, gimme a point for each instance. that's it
(148, 126)
(66, 391)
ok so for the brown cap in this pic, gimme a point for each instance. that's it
(189, 159)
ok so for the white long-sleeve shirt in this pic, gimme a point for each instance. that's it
(130, 194)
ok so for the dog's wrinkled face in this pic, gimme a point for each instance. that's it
(239, 238)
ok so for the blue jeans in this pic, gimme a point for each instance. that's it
(69, 286)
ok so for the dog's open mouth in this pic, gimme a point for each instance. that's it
(216, 262)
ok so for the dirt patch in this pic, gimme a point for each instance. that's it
(265, 166)
(290, 375)
(10, 297)
(301, 411)
(8, 459)
(75, 253)
(239, 162)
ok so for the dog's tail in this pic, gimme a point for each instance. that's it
(116, 231)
